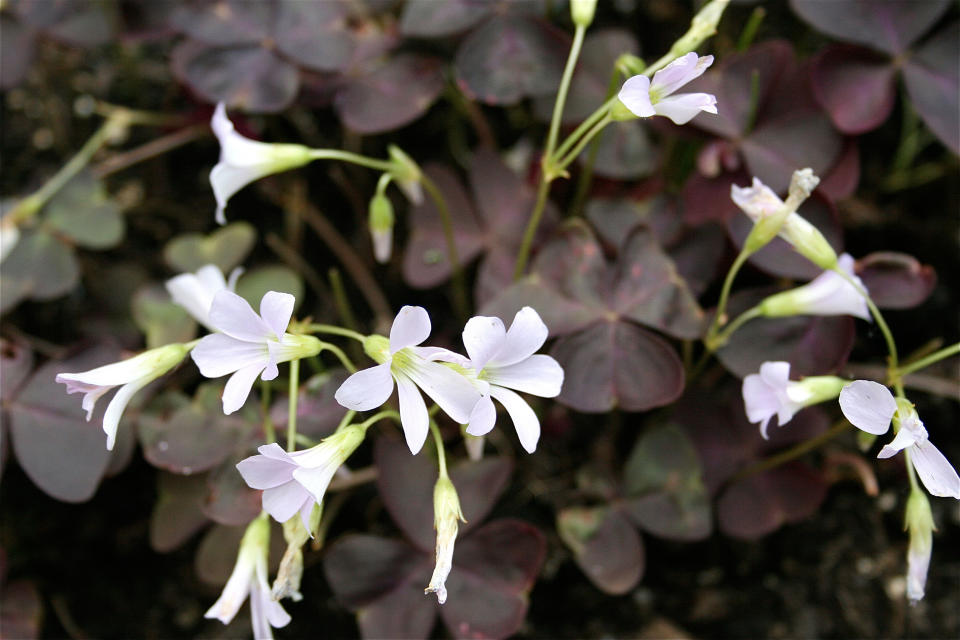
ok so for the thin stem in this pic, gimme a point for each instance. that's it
(719, 318)
(582, 128)
(936, 356)
(293, 258)
(721, 339)
(294, 391)
(564, 88)
(341, 356)
(345, 420)
(337, 331)
(386, 413)
(152, 149)
(446, 220)
(587, 137)
(586, 173)
(340, 298)
(914, 486)
(543, 190)
(793, 452)
(352, 158)
(441, 453)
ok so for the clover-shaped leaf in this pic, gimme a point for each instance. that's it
(432, 19)
(228, 500)
(177, 514)
(606, 546)
(253, 284)
(226, 247)
(896, 280)
(39, 267)
(83, 211)
(161, 320)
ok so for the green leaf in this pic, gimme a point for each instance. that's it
(40, 267)
(161, 320)
(84, 211)
(226, 247)
(255, 283)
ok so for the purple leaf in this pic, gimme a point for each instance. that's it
(708, 199)
(228, 500)
(560, 313)
(625, 152)
(315, 34)
(224, 22)
(432, 19)
(855, 86)
(21, 610)
(933, 82)
(17, 48)
(362, 569)
(405, 483)
(217, 552)
(177, 514)
(844, 175)
(605, 545)
(896, 280)
(318, 412)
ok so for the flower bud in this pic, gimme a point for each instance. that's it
(582, 12)
(446, 516)
(406, 173)
(381, 226)
(702, 26)
(630, 64)
(919, 522)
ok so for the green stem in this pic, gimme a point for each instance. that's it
(352, 158)
(543, 190)
(441, 453)
(721, 339)
(586, 174)
(583, 127)
(914, 486)
(294, 391)
(341, 356)
(936, 356)
(337, 331)
(345, 420)
(587, 137)
(719, 318)
(459, 287)
(387, 413)
(793, 452)
(564, 88)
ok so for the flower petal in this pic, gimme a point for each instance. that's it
(482, 418)
(276, 309)
(524, 419)
(526, 335)
(238, 387)
(757, 201)
(111, 417)
(454, 393)
(413, 414)
(678, 73)
(234, 593)
(315, 480)
(284, 501)
(110, 375)
(935, 471)
(265, 472)
(903, 439)
(684, 107)
(410, 327)
(868, 405)
(218, 354)
(759, 401)
(539, 374)
(194, 292)
(366, 389)
(483, 336)
(635, 96)
(235, 317)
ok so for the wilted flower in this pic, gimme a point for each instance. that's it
(505, 360)
(243, 160)
(250, 344)
(294, 482)
(250, 577)
(645, 98)
(772, 393)
(410, 366)
(194, 291)
(870, 406)
(134, 374)
(829, 294)
(446, 518)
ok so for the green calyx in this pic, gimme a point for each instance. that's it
(377, 348)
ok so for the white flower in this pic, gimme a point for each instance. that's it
(645, 98)
(411, 367)
(870, 406)
(772, 393)
(505, 360)
(919, 521)
(250, 344)
(133, 373)
(294, 482)
(250, 577)
(829, 294)
(446, 518)
(194, 291)
(243, 160)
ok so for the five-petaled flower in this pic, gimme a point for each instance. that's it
(401, 360)
(194, 291)
(243, 160)
(133, 373)
(294, 482)
(250, 345)
(829, 294)
(250, 577)
(645, 98)
(870, 406)
(772, 393)
(506, 359)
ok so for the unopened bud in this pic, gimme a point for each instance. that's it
(630, 65)
(582, 12)
(381, 226)
(919, 522)
(406, 173)
(702, 26)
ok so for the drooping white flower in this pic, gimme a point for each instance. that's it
(133, 374)
(447, 517)
(194, 291)
(243, 160)
(870, 406)
(294, 482)
(829, 294)
(645, 98)
(402, 361)
(249, 577)
(771, 393)
(249, 345)
(505, 360)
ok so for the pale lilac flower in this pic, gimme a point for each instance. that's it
(243, 160)
(829, 294)
(249, 577)
(772, 393)
(194, 291)
(133, 374)
(505, 360)
(870, 406)
(410, 366)
(447, 517)
(249, 345)
(294, 482)
(645, 98)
